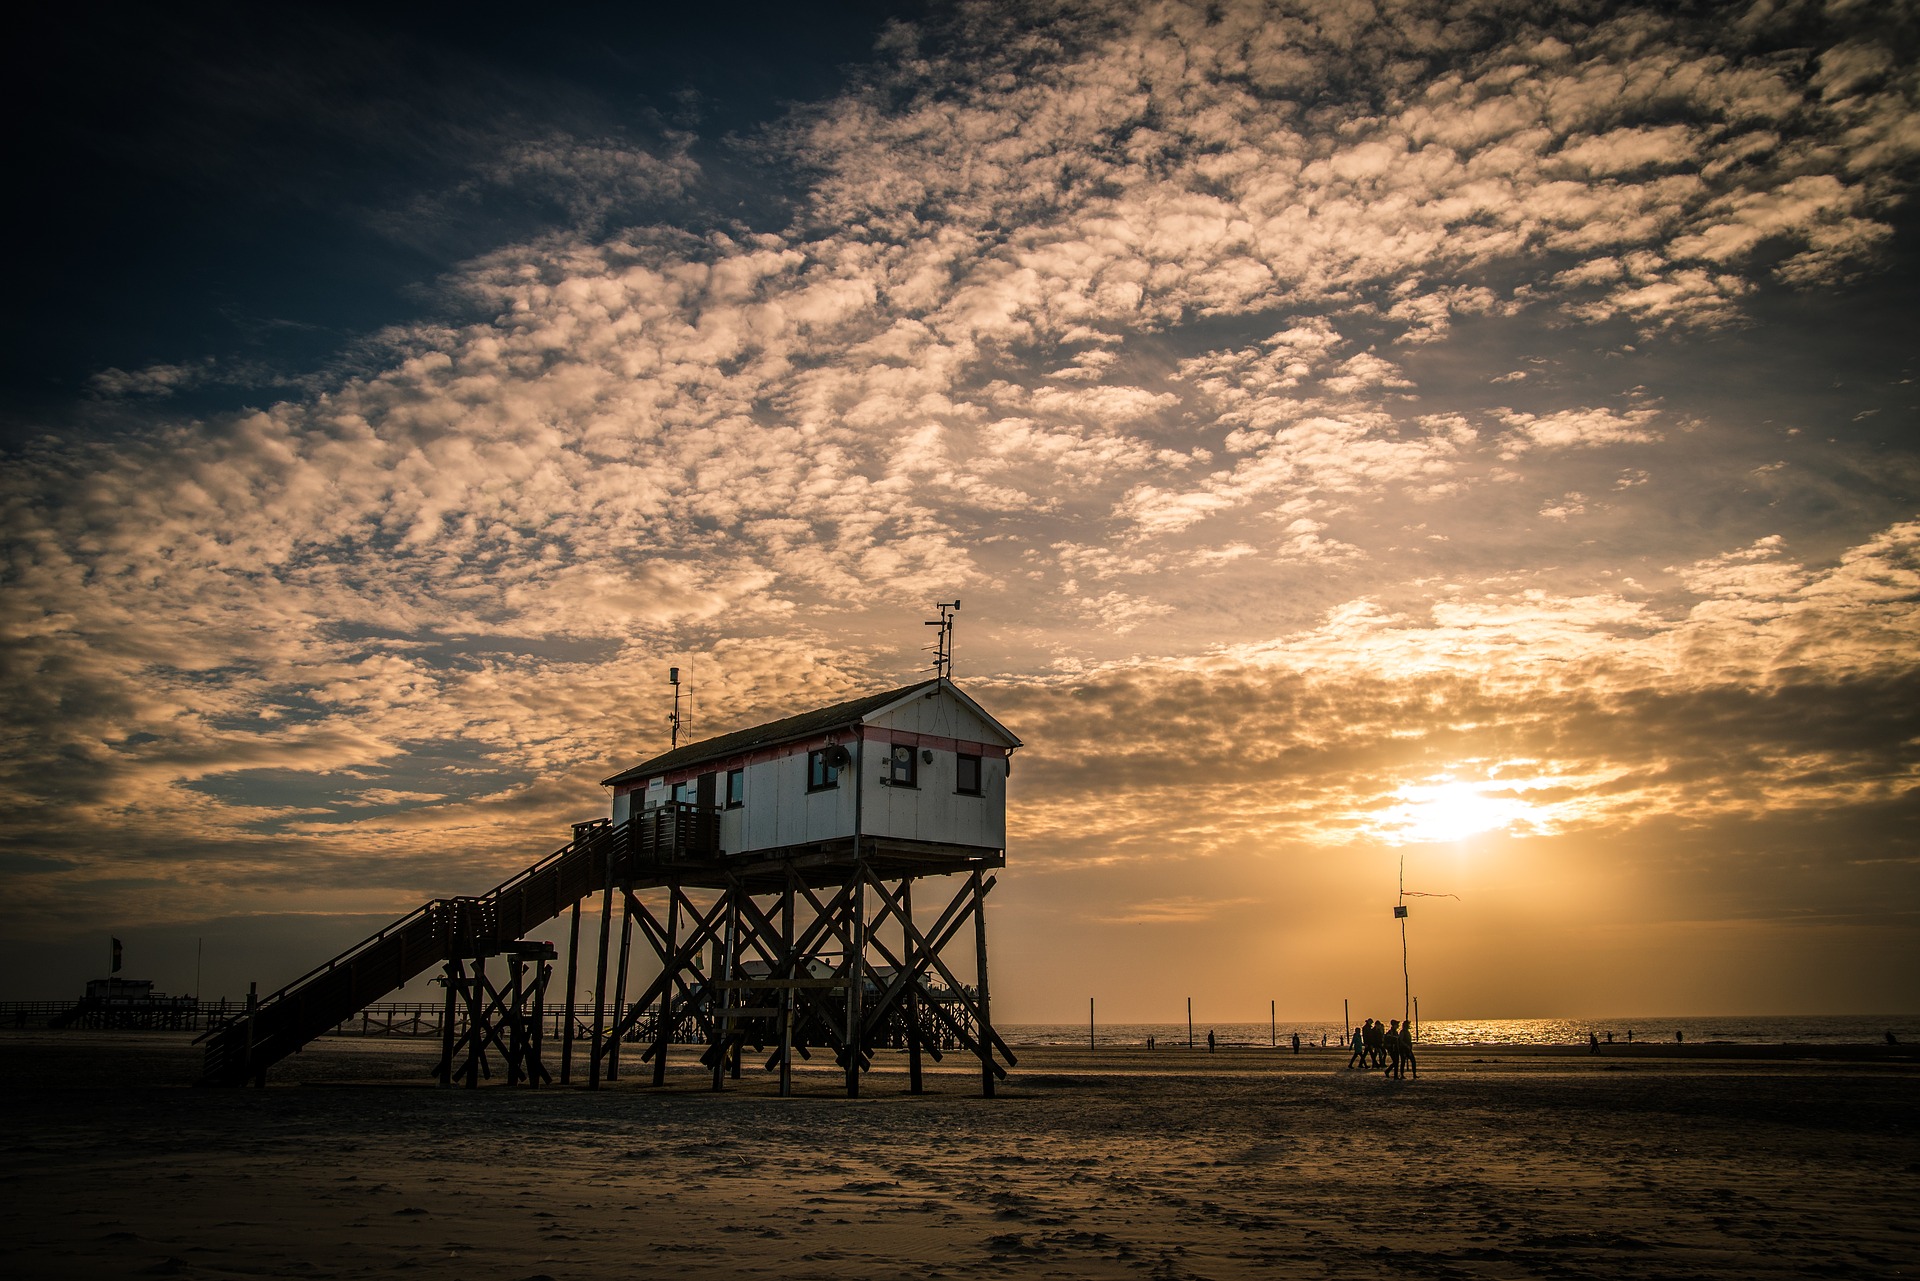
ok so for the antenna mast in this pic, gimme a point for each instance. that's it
(1406, 979)
(943, 644)
(1400, 914)
(673, 679)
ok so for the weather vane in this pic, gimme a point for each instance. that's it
(943, 645)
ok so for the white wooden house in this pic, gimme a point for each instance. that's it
(912, 775)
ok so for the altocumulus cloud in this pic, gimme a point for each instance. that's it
(1119, 316)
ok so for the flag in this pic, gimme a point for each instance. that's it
(116, 956)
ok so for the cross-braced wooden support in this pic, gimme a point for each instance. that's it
(506, 1018)
(787, 964)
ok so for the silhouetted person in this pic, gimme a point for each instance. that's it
(1296, 1043)
(1209, 1040)
(1376, 1049)
(1392, 1047)
(1891, 1038)
(1593, 1043)
(1407, 1063)
(1629, 1036)
(1609, 1038)
(1679, 1037)
(1359, 1056)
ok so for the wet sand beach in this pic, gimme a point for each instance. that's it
(1657, 1162)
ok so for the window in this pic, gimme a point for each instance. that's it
(683, 793)
(823, 770)
(966, 775)
(901, 771)
(736, 788)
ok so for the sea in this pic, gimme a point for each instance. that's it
(1770, 1029)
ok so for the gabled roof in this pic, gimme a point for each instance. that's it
(806, 725)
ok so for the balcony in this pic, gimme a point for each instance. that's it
(677, 832)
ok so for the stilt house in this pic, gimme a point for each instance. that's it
(912, 780)
(785, 857)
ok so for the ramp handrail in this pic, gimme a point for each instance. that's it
(582, 842)
(363, 945)
(447, 917)
(430, 905)
(289, 1017)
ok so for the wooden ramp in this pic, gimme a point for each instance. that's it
(432, 934)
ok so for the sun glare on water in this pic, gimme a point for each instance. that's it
(1445, 810)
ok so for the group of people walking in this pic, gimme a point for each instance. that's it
(1387, 1046)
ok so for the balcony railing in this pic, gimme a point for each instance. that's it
(676, 832)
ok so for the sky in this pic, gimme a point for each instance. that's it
(1462, 445)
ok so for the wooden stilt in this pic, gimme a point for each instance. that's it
(719, 997)
(912, 998)
(664, 1033)
(600, 982)
(966, 1028)
(984, 1035)
(516, 1024)
(476, 1021)
(573, 975)
(856, 969)
(735, 1043)
(537, 1070)
(788, 969)
(620, 983)
(453, 975)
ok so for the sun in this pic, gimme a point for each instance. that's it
(1446, 810)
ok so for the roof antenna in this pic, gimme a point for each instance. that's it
(673, 679)
(943, 645)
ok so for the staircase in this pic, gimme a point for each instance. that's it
(432, 934)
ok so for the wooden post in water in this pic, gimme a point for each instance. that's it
(1189, 1023)
(1089, 1023)
(1273, 1024)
